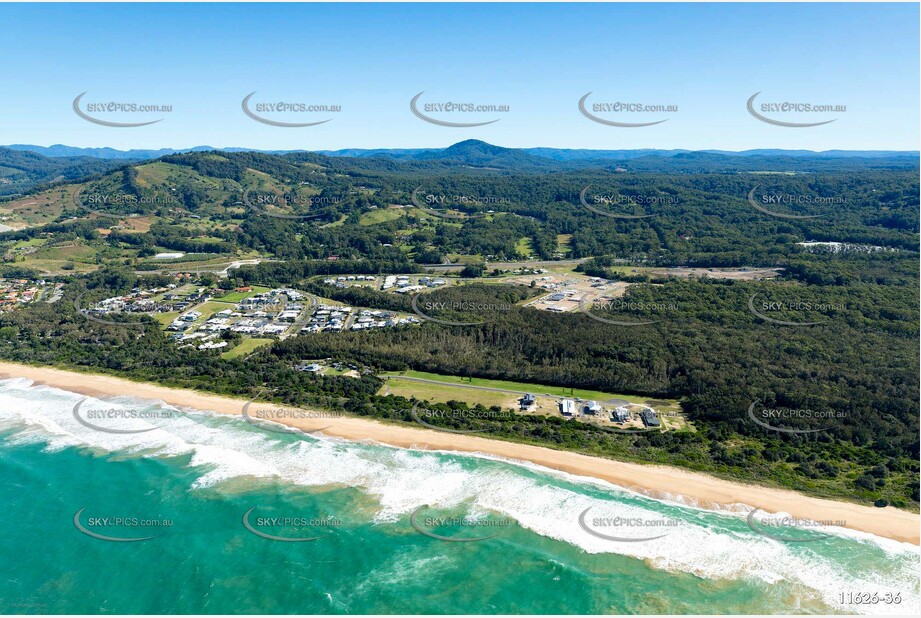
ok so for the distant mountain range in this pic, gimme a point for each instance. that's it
(475, 153)
(60, 150)
(476, 148)
(567, 154)
(25, 168)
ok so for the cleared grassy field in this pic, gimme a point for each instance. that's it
(245, 347)
(444, 394)
(235, 297)
(40, 208)
(563, 243)
(338, 223)
(524, 247)
(32, 242)
(74, 252)
(380, 216)
(59, 267)
(219, 262)
(73, 257)
(460, 258)
(165, 319)
(138, 224)
(523, 387)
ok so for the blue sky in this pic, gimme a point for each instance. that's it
(538, 59)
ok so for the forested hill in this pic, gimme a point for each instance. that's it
(422, 211)
(21, 172)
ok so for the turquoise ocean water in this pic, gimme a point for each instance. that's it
(211, 490)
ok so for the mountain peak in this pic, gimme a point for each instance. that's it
(478, 153)
(476, 144)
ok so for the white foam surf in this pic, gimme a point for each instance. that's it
(711, 545)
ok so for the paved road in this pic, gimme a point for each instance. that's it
(295, 329)
(535, 264)
(217, 269)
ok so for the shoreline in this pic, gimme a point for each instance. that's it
(708, 492)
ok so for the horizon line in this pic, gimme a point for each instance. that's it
(321, 150)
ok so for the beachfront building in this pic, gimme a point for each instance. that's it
(649, 418)
(620, 415)
(567, 408)
(527, 403)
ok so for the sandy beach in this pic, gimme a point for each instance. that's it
(658, 481)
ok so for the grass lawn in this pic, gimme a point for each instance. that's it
(245, 347)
